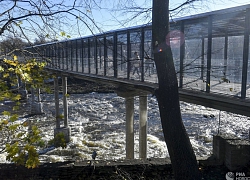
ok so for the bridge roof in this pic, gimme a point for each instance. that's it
(225, 22)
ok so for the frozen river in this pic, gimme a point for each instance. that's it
(97, 122)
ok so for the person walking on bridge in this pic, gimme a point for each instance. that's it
(136, 63)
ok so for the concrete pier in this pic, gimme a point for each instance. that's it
(129, 102)
(22, 89)
(143, 126)
(36, 105)
(58, 118)
(65, 129)
(65, 101)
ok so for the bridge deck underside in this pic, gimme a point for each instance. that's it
(218, 101)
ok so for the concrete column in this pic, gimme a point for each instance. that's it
(143, 127)
(39, 104)
(57, 102)
(65, 102)
(32, 101)
(129, 102)
(36, 106)
(22, 89)
(65, 130)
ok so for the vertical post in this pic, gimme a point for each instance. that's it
(36, 107)
(89, 56)
(100, 55)
(182, 55)
(143, 127)
(105, 55)
(57, 102)
(115, 54)
(21, 88)
(59, 55)
(121, 56)
(245, 54)
(225, 57)
(142, 54)
(54, 55)
(65, 102)
(67, 55)
(209, 53)
(95, 56)
(63, 55)
(77, 56)
(71, 55)
(128, 55)
(129, 101)
(50, 58)
(38, 95)
(82, 54)
(202, 57)
(32, 110)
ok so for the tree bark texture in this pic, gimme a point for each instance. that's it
(180, 149)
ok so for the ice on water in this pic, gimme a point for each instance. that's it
(97, 123)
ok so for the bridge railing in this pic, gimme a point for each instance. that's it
(211, 52)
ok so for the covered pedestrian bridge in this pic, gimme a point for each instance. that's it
(211, 56)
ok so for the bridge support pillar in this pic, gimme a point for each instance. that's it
(36, 106)
(65, 101)
(129, 102)
(56, 93)
(143, 126)
(22, 89)
(65, 130)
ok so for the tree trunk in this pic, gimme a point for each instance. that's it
(180, 149)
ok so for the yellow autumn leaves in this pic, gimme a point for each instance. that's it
(23, 69)
(23, 139)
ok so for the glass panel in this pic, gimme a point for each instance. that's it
(100, 56)
(150, 74)
(195, 60)
(69, 50)
(64, 46)
(57, 51)
(230, 80)
(85, 61)
(218, 66)
(176, 40)
(194, 65)
(135, 40)
(78, 55)
(49, 54)
(53, 56)
(122, 55)
(109, 58)
(92, 57)
(74, 56)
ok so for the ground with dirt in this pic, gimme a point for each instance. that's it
(150, 169)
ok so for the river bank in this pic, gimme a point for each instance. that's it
(151, 169)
